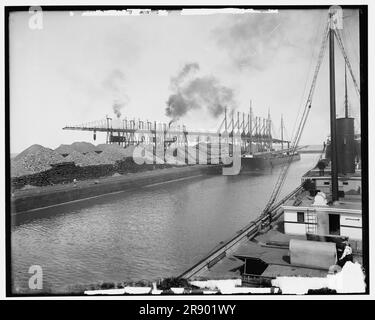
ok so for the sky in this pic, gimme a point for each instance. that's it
(76, 68)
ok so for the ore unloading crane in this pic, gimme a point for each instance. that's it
(125, 132)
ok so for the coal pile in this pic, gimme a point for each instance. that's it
(34, 159)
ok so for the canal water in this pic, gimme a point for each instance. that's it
(156, 231)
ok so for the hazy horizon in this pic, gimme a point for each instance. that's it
(78, 69)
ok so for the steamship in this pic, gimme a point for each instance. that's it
(258, 152)
(268, 159)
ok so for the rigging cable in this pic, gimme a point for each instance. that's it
(347, 35)
(342, 48)
(298, 134)
(346, 59)
(308, 72)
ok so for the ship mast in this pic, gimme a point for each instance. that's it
(346, 97)
(334, 176)
(282, 133)
(251, 127)
(269, 129)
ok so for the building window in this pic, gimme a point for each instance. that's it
(300, 217)
(326, 183)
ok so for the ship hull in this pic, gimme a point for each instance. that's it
(261, 163)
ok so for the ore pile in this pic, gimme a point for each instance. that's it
(37, 158)
(83, 147)
(112, 153)
(33, 160)
(83, 160)
(64, 149)
(86, 154)
(92, 159)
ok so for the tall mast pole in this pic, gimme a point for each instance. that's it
(238, 121)
(346, 96)
(225, 120)
(282, 133)
(334, 175)
(251, 127)
(256, 131)
(264, 133)
(269, 129)
(232, 131)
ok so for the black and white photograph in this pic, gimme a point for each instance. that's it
(187, 150)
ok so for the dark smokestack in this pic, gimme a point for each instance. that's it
(170, 123)
(345, 145)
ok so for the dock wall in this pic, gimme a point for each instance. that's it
(40, 198)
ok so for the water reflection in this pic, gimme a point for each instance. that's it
(149, 233)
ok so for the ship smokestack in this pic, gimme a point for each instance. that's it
(345, 139)
(345, 145)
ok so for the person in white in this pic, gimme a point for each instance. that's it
(346, 255)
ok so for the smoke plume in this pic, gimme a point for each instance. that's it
(197, 92)
(254, 40)
(115, 84)
(189, 68)
(117, 106)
